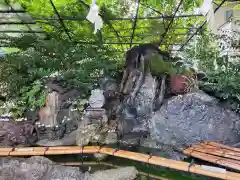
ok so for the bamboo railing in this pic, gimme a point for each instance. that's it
(154, 160)
(216, 153)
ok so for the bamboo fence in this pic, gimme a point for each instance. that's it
(216, 153)
(154, 160)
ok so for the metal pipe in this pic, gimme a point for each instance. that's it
(12, 11)
(105, 20)
(19, 31)
(16, 23)
(135, 23)
(169, 25)
(117, 19)
(60, 19)
(147, 35)
(181, 48)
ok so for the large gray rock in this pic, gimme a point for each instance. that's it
(67, 140)
(194, 117)
(134, 118)
(123, 173)
(41, 168)
(36, 168)
(145, 101)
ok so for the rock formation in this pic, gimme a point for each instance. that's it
(134, 118)
(41, 168)
(181, 121)
(13, 133)
(194, 117)
(125, 173)
(60, 115)
(93, 126)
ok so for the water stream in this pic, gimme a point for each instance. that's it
(147, 171)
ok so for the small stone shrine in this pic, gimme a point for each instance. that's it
(94, 125)
(95, 112)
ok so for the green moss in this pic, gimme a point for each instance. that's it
(158, 66)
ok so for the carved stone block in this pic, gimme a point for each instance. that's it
(93, 115)
(48, 114)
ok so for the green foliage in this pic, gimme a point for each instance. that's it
(158, 66)
(115, 30)
(80, 62)
(204, 50)
(80, 65)
(31, 97)
(223, 73)
(226, 83)
(34, 95)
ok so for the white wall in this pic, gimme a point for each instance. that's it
(220, 14)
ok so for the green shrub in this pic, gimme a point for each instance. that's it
(79, 65)
(223, 78)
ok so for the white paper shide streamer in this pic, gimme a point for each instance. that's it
(94, 17)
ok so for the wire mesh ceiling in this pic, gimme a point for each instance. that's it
(31, 25)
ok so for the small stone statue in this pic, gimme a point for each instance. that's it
(94, 125)
(97, 99)
(95, 112)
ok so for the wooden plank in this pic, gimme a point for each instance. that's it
(217, 152)
(229, 151)
(234, 164)
(223, 146)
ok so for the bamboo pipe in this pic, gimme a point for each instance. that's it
(5, 149)
(178, 165)
(214, 159)
(196, 169)
(41, 151)
(209, 150)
